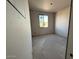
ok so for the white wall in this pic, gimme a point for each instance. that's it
(18, 34)
(36, 30)
(62, 22)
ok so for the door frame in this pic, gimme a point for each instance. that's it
(71, 10)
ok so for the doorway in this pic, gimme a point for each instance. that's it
(49, 26)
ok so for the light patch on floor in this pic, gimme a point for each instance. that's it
(49, 47)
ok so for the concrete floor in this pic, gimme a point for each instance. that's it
(49, 47)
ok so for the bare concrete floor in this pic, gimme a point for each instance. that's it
(49, 47)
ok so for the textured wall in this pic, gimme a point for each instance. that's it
(62, 22)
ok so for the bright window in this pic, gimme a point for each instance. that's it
(43, 20)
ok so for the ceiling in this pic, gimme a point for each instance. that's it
(45, 5)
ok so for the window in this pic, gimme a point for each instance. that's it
(43, 20)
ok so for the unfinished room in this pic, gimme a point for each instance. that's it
(49, 26)
(38, 29)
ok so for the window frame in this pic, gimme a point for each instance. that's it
(39, 20)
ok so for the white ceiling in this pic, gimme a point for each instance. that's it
(44, 5)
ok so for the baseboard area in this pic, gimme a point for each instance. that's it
(42, 34)
(49, 34)
(61, 36)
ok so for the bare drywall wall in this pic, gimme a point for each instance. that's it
(62, 22)
(36, 30)
(18, 34)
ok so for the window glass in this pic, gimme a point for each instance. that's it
(43, 20)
